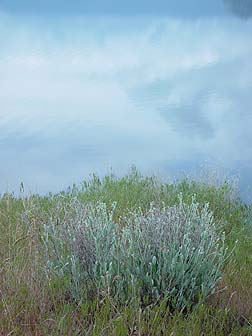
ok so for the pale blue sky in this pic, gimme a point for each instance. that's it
(110, 7)
(157, 85)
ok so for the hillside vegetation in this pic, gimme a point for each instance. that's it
(126, 256)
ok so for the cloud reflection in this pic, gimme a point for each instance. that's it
(93, 93)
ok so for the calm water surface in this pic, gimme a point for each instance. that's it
(81, 94)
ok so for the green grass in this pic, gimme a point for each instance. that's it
(33, 304)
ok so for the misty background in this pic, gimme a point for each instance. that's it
(90, 86)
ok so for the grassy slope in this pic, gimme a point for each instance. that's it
(30, 305)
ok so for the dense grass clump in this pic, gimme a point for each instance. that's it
(127, 256)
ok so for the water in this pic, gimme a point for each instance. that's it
(168, 93)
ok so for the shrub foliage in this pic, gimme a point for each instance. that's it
(173, 253)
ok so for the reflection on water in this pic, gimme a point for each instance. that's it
(241, 8)
(80, 95)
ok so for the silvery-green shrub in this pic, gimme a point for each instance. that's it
(174, 253)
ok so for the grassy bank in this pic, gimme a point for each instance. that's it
(49, 284)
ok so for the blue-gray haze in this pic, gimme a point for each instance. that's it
(89, 85)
